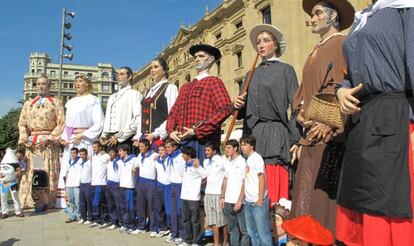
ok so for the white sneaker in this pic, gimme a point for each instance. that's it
(104, 225)
(112, 227)
(94, 224)
(163, 233)
(169, 240)
(178, 241)
(184, 244)
(135, 232)
(87, 222)
(123, 229)
(80, 222)
(153, 234)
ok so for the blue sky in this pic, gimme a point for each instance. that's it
(123, 32)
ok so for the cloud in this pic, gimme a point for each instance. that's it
(6, 104)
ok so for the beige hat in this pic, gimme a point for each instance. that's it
(9, 157)
(271, 29)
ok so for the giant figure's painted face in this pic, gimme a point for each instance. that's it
(7, 173)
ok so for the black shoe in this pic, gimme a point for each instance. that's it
(70, 221)
(4, 216)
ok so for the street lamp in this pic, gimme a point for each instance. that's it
(63, 46)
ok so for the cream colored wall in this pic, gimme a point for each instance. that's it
(287, 15)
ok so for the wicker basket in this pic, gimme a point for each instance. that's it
(324, 108)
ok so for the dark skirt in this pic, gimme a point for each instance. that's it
(375, 177)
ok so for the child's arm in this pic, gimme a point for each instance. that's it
(261, 189)
(223, 192)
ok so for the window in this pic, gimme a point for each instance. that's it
(39, 70)
(218, 63)
(76, 74)
(65, 85)
(65, 74)
(33, 71)
(105, 100)
(238, 25)
(105, 87)
(53, 72)
(239, 59)
(89, 75)
(105, 75)
(218, 36)
(267, 15)
(71, 85)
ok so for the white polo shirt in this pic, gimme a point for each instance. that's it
(192, 177)
(234, 171)
(86, 171)
(112, 171)
(126, 179)
(215, 173)
(177, 164)
(146, 164)
(73, 170)
(99, 166)
(163, 171)
(255, 166)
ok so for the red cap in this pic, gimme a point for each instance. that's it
(309, 230)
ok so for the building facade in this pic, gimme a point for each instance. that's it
(40, 63)
(227, 27)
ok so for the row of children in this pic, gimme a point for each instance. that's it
(164, 192)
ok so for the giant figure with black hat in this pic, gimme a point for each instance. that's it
(202, 104)
(326, 67)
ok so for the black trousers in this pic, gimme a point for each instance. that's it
(191, 221)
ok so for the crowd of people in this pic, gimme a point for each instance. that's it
(152, 162)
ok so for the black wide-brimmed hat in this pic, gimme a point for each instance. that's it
(207, 48)
(345, 10)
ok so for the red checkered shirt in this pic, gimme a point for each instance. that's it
(206, 99)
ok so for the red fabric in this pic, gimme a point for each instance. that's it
(308, 230)
(356, 229)
(277, 180)
(199, 100)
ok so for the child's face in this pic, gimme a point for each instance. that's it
(246, 148)
(112, 154)
(169, 148)
(229, 150)
(186, 157)
(143, 148)
(83, 155)
(122, 153)
(209, 152)
(162, 152)
(95, 148)
(73, 154)
(19, 156)
(296, 242)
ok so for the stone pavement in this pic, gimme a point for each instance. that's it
(50, 229)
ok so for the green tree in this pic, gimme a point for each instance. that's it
(9, 132)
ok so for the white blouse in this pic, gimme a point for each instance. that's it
(84, 112)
